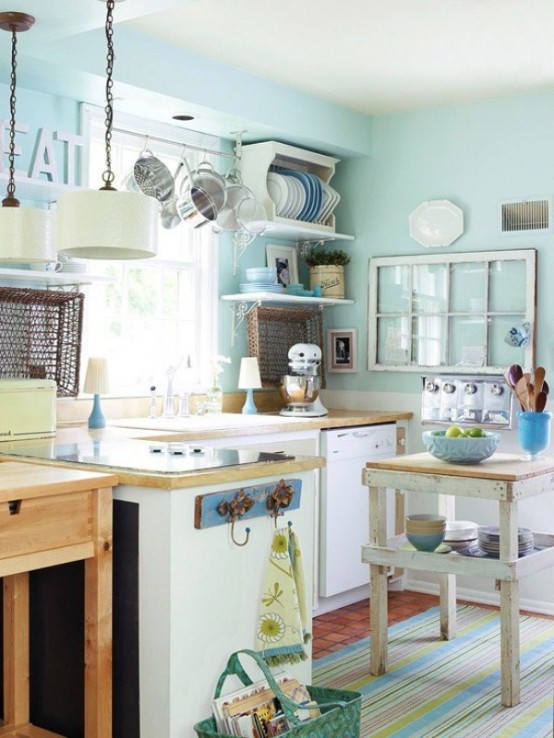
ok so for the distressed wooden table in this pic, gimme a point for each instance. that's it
(505, 478)
(52, 516)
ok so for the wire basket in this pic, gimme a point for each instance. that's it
(40, 336)
(271, 333)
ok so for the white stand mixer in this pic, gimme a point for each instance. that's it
(300, 389)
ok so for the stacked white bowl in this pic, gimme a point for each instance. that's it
(261, 279)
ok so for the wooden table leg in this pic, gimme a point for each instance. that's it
(16, 649)
(447, 582)
(447, 590)
(509, 608)
(98, 625)
(378, 604)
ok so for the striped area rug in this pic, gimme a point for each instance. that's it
(449, 689)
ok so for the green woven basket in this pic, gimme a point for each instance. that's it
(340, 709)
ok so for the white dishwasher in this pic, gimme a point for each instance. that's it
(344, 510)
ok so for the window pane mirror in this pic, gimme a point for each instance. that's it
(470, 312)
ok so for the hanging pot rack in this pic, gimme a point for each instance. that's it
(147, 138)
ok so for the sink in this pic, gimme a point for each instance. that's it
(223, 421)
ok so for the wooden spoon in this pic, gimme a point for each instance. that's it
(540, 401)
(531, 393)
(522, 393)
(539, 379)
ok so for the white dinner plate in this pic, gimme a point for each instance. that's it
(436, 223)
(278, 191)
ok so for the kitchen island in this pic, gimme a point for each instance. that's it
(186, 597)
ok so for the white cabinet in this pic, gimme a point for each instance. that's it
(256, 160)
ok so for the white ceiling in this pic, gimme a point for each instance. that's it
(372, 56)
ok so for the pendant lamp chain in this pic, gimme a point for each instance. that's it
(11, 201)
(13, 22)
(108, 175)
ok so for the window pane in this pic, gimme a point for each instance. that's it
(149, 315)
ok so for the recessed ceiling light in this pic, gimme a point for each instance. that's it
(183, 117)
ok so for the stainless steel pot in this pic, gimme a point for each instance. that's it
(195, 205)
(207, 179)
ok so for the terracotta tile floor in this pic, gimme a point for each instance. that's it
(338, 628)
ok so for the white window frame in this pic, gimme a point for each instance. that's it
(157, 136)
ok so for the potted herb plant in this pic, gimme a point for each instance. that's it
(327, 270)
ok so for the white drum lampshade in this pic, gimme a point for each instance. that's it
(249, 379)
(107, 224)
(26, 235)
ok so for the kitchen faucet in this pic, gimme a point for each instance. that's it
(169, 405)
(184, 408)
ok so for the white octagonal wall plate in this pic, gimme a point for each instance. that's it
(436, 223)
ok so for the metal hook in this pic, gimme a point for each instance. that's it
(235, 509)
(233, 534)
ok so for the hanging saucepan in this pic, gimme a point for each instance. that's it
(211, 182)
(195, 206)
(236, 193)
(153, 177)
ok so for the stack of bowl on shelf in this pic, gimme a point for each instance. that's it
(460, 534)
(261, 279)
(425, 531)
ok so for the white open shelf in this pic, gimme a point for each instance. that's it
(285, 299)
(40, 279)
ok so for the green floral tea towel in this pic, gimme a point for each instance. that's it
(283, 623)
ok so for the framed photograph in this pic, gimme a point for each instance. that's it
(342, 350)
(285, 260)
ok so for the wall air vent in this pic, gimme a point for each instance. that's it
(526, 215)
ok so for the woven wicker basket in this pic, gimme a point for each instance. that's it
(40, 336)
(271, 333)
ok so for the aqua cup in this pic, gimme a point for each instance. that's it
(534, 432)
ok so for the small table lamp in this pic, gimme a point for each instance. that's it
(96, 383)
(249, 379)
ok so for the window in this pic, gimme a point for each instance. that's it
(450, 311)
(151, 312)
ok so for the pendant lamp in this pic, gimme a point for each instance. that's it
(105, 223)
(25, 233)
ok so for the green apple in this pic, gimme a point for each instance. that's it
(475, 433)
(453, 432)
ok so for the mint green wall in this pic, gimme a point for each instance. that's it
(475, 155)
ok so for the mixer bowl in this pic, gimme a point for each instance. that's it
(299, 391)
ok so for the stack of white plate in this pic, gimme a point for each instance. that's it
(489, 540)
(460, 533)
(261, 279)
(301, 195)
(261, 287)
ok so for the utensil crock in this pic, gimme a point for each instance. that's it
(534, 432)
